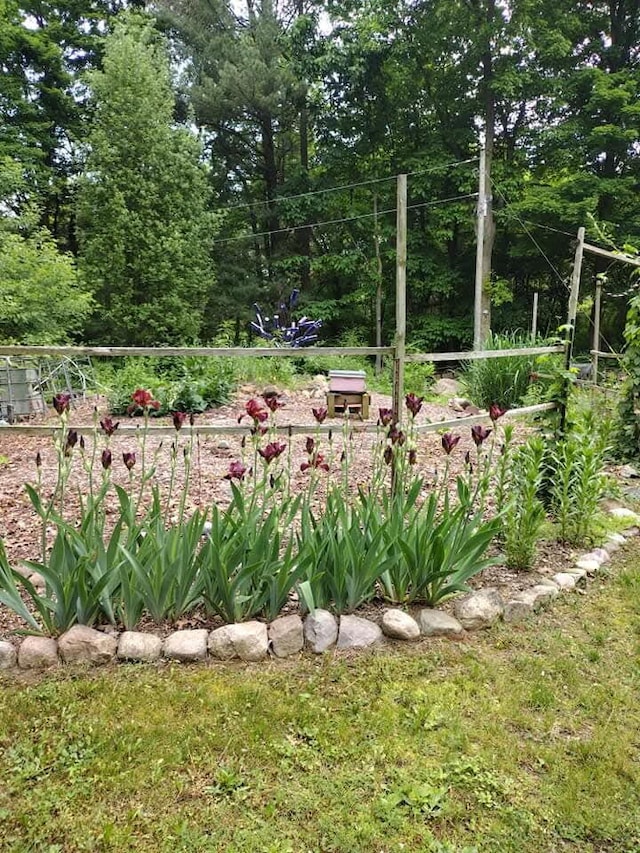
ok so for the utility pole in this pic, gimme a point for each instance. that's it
(480, 219)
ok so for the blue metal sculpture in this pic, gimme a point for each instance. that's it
(282, 329)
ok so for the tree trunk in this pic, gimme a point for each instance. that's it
(490, 132)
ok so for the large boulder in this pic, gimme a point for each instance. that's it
(81, 644)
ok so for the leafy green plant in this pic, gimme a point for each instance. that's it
(523, 514)
(246, 563)
(504, 380)
(438, 550)
(158, 570)
(341, 553)
(576, 478)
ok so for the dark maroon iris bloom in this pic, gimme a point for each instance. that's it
(496, 412)
(273, 404)
(309, 445)
(179, 419)
(385, 417)
(236, 471)
(144, 399)
(106, 459)
(129, 460)
(72, 440)
(413, 403)
(61, 403)
(82, 445)
(108, 426)
(254, 410)
(467, 458)
(388, 454)
(480, 434)
(272, 451)
(396, 436)
(316, 461)
(449, 441)
(319, 414)
(38, 460)
(259, 430)
(413, 456)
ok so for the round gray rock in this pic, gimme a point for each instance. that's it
(8, 655)
(480, 609)
(81, 644)
(358, 633)
(139, 646)
(435, 623)
(38, 653)
(186, 646)
(400, 625)
(286, 636)
(320, 630)
(250, 640)
(220, 645)
(565, 580)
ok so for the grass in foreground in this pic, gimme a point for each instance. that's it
(522, 739)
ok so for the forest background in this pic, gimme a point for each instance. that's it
(164, 166)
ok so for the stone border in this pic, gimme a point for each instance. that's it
(320, 631)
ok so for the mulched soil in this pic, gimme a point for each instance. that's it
(20, 528)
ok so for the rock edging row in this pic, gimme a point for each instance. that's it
(318, 632)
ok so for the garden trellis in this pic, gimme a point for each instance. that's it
(397, 352)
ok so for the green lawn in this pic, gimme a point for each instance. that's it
(519, 739)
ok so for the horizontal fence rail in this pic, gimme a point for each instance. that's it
(227, 352)
(617, 355)
(355, 426)
(473, 356)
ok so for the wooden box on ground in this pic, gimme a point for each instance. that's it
(347, 393)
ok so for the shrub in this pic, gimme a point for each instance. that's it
(504, 380)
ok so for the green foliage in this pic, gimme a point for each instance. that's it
(523, 515)
(504, 380)
(246, 564)
(576, 478)
(159, 569)
(142, 224)
(341, 553)
(439, 548)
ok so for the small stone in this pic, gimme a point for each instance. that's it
(320, 630)
(544, 592)
(250, 640)
(628, 472)
(446, 387)
(220, 645)
(517, 610)
(616, 538)
(601, 554)
(37, 653)
(436, 623)
(623, 512)
(8, 655)
(358, 633)
(580, 576)
(565, 580)
(223, 444)
(589, 563)
(81, 644)
(187, 645)
(632, 531)
(38, 581)
(400, 625)
(460, 404)
(480, 609)
(286, 636)
(139, 646)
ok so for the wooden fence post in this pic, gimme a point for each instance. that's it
(596, 331)
(571, 323)
(401, 298)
